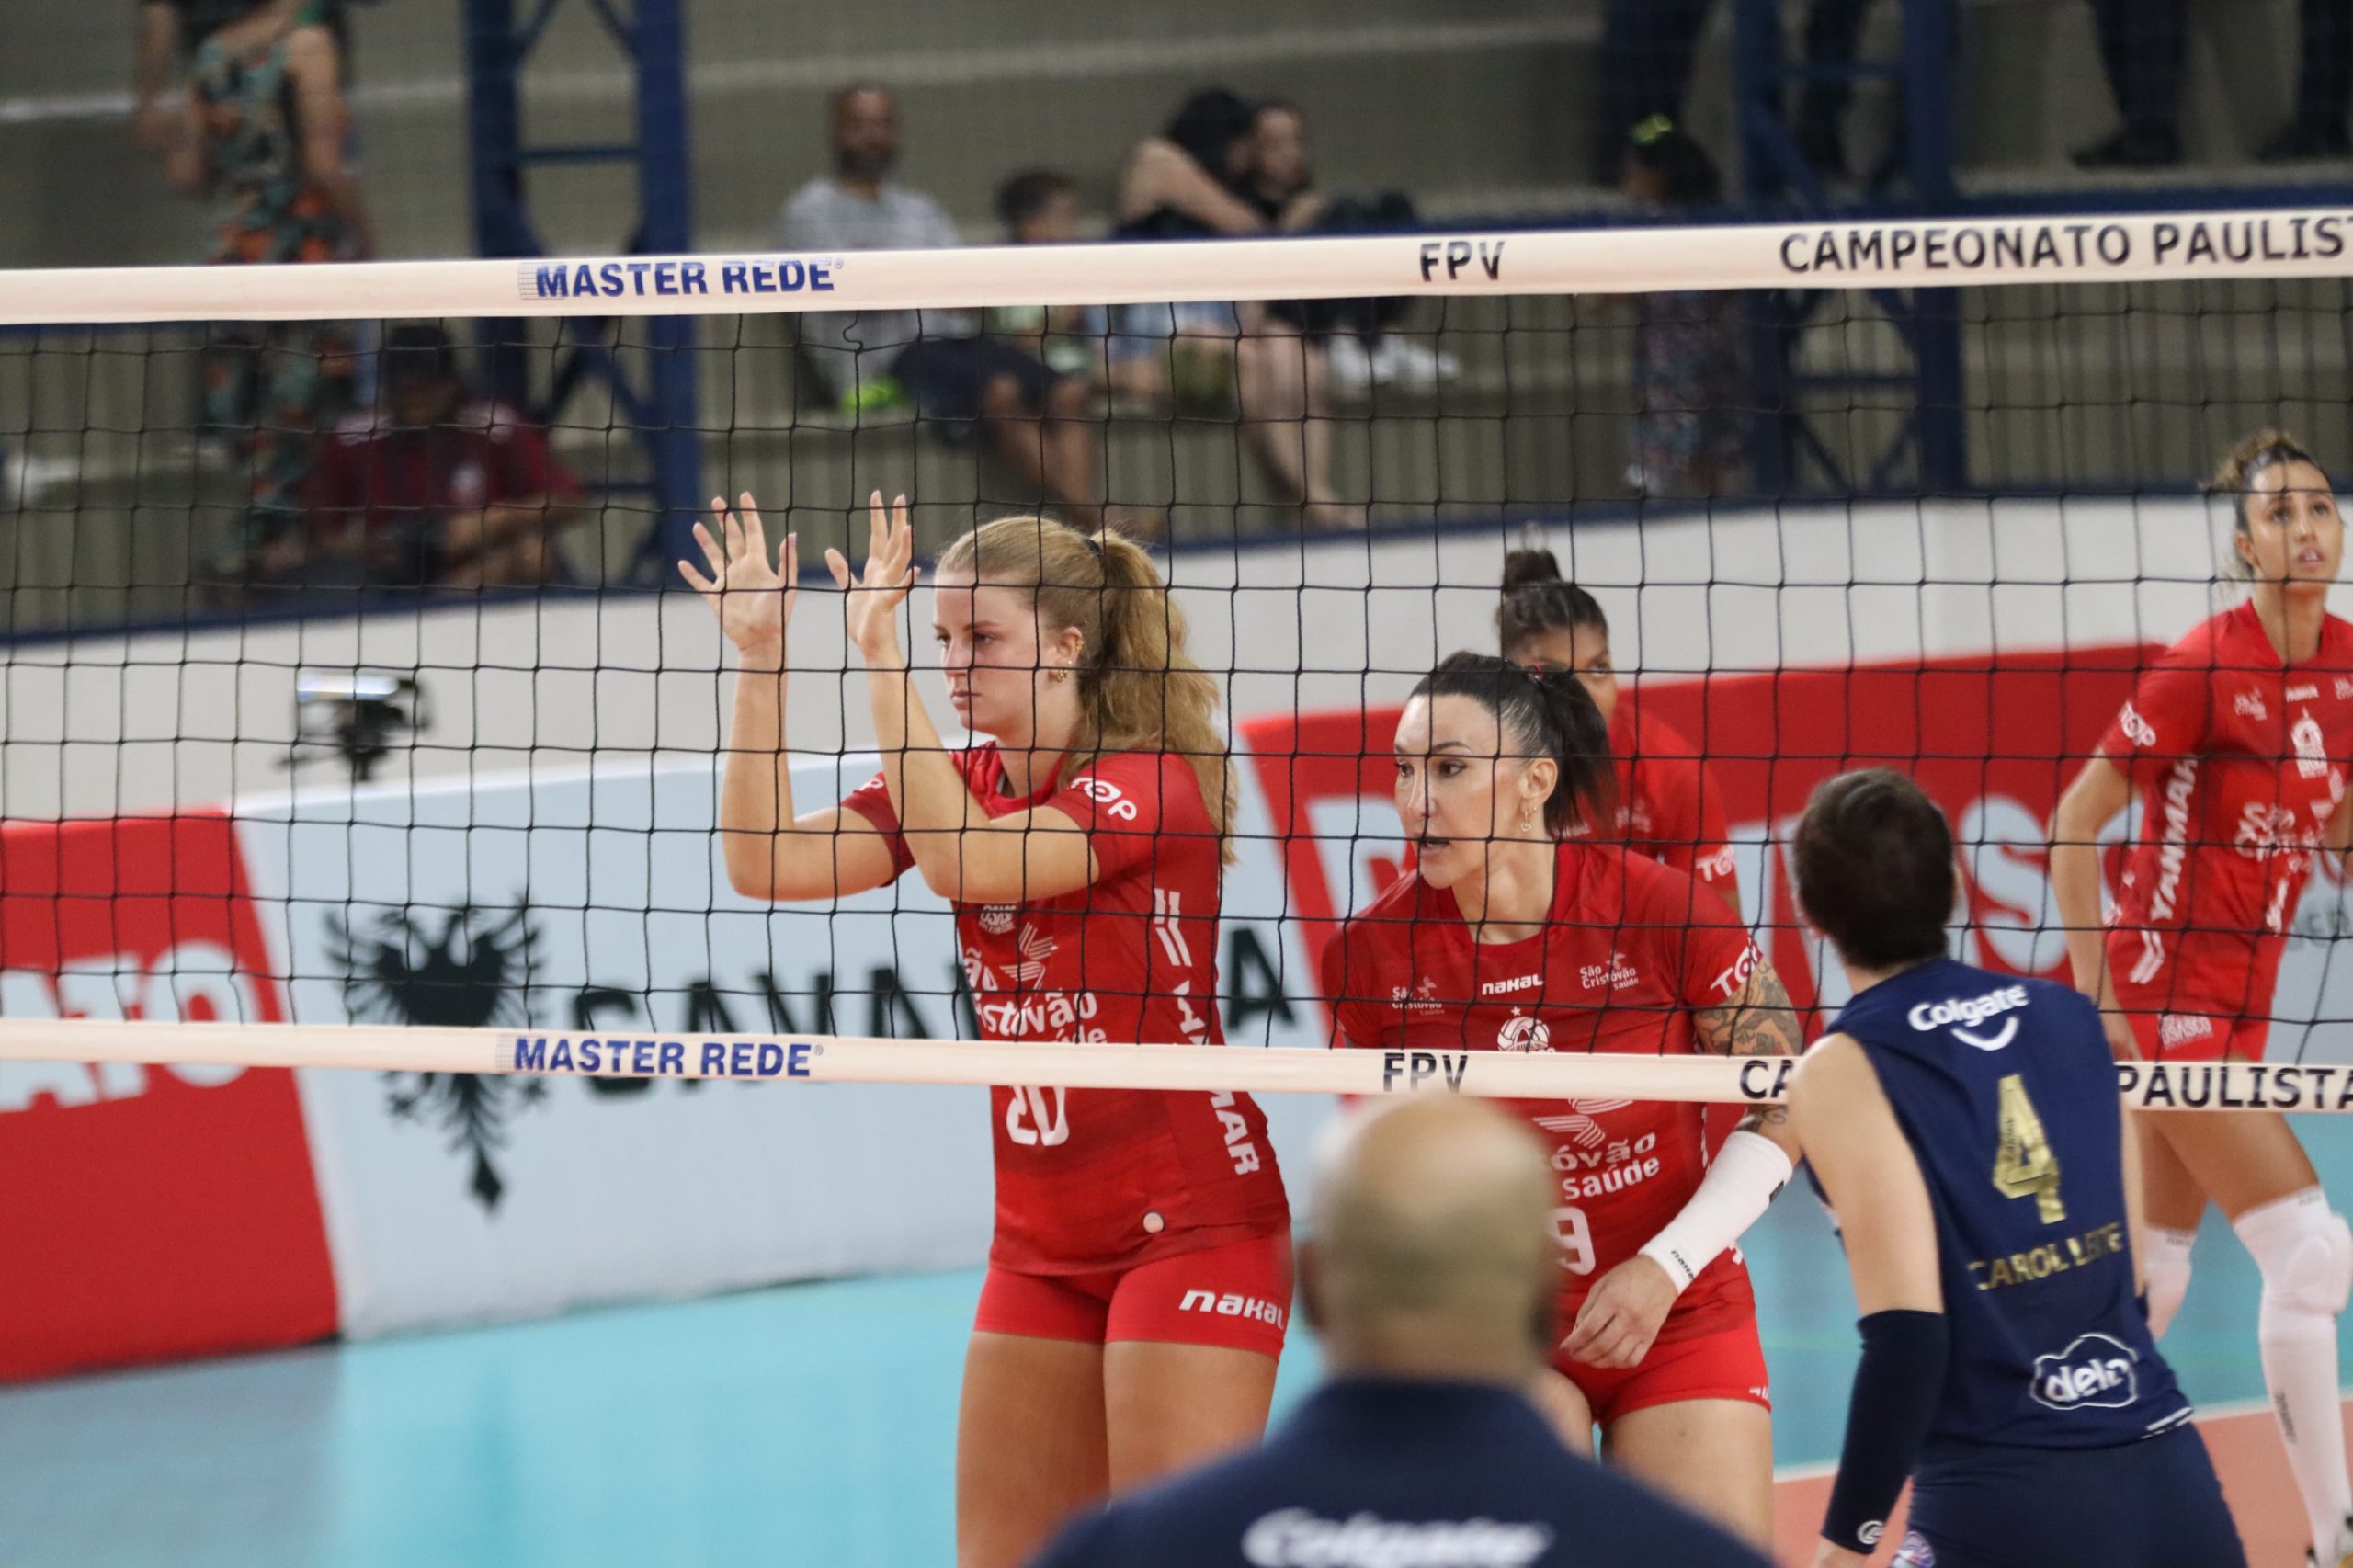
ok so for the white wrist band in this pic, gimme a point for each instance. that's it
(1733, 1196)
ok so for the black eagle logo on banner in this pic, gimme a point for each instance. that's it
(468, 969)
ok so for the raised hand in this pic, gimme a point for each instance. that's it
(752, 598)
(871, 608)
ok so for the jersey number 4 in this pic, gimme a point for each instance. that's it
(2024, 1166)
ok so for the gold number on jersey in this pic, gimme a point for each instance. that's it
(2024, 1166)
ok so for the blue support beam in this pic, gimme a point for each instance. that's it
(652, 385)
(1933, 441)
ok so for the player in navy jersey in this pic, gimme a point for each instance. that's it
(1965, 1129)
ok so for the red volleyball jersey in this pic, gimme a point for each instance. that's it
(2241, 761)
(1631, 951)
(1667, 806)
(1089, 1180)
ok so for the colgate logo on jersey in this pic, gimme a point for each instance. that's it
(1961, 1015)
(1524, 1031)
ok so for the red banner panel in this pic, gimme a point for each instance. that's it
(151, 1212)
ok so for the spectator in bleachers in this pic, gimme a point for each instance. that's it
(441, 488)
(1114, 347)
(264, 133)
(2141, 49)
(1194, 180)
(1033, 417)
(170, 32)
(1688, 370)
(1647, 48)
(1355, 334)
(2142, 46)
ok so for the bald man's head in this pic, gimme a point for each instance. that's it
(1432, 1251)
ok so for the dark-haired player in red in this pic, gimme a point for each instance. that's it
(2240, 745)
(1668, 806)
(1140, 1277)
(1513, 934)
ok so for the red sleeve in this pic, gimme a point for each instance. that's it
(1128, 803)
(1687, 818)
(872, 801)
(2166, 718)
(1707, 951)
(1347, 970)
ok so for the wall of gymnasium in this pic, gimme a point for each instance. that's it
(544, 856)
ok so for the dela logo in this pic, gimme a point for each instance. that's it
(464, 971)
(2094, 1372)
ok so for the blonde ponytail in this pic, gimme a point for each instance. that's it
(1139, 689)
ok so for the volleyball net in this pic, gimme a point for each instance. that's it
(349, 726)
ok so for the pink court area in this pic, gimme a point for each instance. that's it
(2240, 1437)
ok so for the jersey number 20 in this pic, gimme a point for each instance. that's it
(2024, 1166)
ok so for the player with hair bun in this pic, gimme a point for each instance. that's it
(1517, 930)
(1081, 845)
(1667, 806)
(2239, 742)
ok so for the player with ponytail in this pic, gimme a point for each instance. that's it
(1667, 806)
(1080, 842)
(1519, 929)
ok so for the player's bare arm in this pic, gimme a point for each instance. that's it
(1759, 1021)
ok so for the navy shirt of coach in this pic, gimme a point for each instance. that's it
(1429, 1275)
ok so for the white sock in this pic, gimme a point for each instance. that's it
(2167, 1269)
(2299, 1346)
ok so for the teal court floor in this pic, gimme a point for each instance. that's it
(809, 1424)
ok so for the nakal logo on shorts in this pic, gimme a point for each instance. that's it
(2094, 1372)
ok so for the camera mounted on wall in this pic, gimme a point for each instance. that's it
(358, 714)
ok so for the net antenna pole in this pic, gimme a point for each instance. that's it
(651, 386)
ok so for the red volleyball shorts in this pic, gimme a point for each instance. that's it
(2185, 1036)
(1236, 1297)
(1727, 1364)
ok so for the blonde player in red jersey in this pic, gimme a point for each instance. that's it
(1140, 1277)
(2239, 742)
(1513, 933)
(1668, 806)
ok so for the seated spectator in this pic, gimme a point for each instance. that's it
(1362, 349)
(1193, 181)
(1033, 417)
(1110, 347)
(441, 489)
(1687, 367)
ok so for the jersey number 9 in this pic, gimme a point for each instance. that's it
(2024, 1166)
(1576, 1240)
